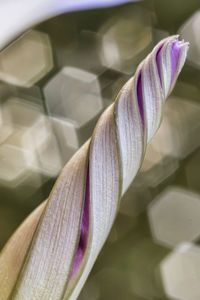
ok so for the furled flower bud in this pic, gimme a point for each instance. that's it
(82, 206)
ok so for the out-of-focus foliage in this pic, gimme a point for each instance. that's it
(55, 81)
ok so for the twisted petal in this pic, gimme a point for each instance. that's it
(136, 115)
(83, 204)
(24, 14)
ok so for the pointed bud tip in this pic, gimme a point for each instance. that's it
(182, 44)
(174, 38)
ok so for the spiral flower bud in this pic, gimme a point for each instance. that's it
(83, 204)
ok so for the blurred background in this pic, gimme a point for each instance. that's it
(55, 80)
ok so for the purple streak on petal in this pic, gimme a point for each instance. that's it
(140, 98)
(84, 228)
(175, 52)
(158, 54)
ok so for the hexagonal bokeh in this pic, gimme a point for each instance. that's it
(190, 32)
(67, 137)
(73, 98)
(124, 38)
(72, 90)
(83, 53)
(180, 125)
(17, 112)
(174, 140)
(113, 83)
(174, 216)
(96, 52)
(14, 165)
(39, 140)
(28, 147)
(27, 59)
(157, 166)
(180, 273)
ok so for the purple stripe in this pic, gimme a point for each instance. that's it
(140, 98)
(84, 228)
(175, 52)
(158, 63)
